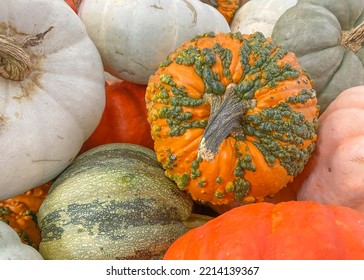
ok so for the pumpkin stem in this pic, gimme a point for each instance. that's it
(15, 61)
(354, 38)
(225, 119)
(195, 220)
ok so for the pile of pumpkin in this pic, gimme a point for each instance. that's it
(182, 129)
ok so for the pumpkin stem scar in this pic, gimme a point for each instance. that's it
(225, 119)
(15, 62)
(37, 39)
(354, 38)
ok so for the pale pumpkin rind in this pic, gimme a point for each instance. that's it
(233, 117)
(113, 202)
(335, 172)
(11, 247)
(52, 92)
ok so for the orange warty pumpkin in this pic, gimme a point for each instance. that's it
(295, 230)
(20, 213)
(124, 119)
(227, 8)
(233, 117)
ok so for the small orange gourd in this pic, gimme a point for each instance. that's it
(20, 213)
(227, 8)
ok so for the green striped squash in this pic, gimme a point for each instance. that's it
(112, 202)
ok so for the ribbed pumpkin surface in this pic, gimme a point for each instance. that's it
(113, 202)
(294, 230)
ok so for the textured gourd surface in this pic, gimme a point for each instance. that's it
(233, 117)
(20, 213)
(113, 202)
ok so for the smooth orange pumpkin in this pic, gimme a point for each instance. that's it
(233, 117)
(124, 119)
(294, 230)
(74, 4)
(20, 213)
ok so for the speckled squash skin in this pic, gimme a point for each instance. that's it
(233, 117)
(113, 202)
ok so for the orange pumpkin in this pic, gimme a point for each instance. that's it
(295, 230)
(233, 117)
(20, 213)
(74, 4)
(227, 8)
(124, 119)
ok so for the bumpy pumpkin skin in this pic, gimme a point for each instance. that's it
(20, 211)
(124, 119)
(227, 8)
(294, 230)
(265, 143)
(315, 31)
(335, 172)
(113, 202)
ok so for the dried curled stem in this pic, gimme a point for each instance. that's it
(225, 119)
(15, 61)
(353, 39)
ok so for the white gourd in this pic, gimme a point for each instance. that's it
(133, 37)
(52, 92)
(11, 247)
(259, 15)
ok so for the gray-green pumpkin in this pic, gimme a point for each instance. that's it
(318, 32)
(112, 202)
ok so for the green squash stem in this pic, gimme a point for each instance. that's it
(226, 113)
(354, 38)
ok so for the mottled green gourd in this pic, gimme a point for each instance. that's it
(233, 117)
(113, 202)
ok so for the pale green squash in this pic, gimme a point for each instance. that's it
(112, 202)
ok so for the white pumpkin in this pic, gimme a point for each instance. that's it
(133, 37)
(52, 91)
(259, 15)
(11, 247)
